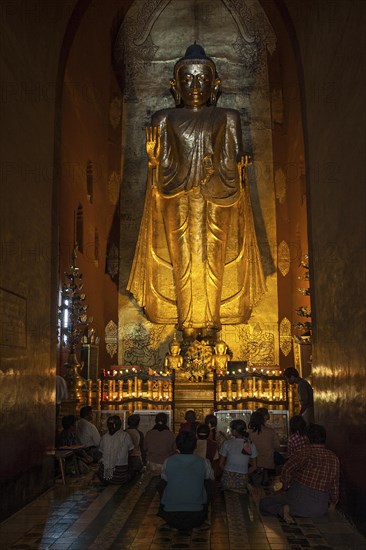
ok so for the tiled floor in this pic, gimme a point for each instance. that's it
(82, 515)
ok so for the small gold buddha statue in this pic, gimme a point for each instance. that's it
(221, 357)
(173, 359)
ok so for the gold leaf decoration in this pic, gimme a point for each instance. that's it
(283, 258)
(285, 336)
(110, 337)
(257, 345)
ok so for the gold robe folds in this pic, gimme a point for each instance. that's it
(197, 262)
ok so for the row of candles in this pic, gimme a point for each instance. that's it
(251, 370)
(114, 390)
(130, 371)
(251, 387)
(248, 370)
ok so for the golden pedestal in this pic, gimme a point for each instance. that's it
(198, 396)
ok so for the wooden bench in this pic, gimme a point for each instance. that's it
(61, 455)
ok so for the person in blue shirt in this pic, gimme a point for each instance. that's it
(189, 484)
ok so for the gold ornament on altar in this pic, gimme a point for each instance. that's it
(198, 361)
(197, 262)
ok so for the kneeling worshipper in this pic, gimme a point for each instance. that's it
(238, 455)
(115, 446)
(310, 479)
(188, 487)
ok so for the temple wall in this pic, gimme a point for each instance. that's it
(331, 45)
(31, 39)
(332, 49)
(91, 148)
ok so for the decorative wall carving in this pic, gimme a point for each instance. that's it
(110, 337)
(134, 46)
(283, 258)
(256, 345)
(142, 345)
(255, 35)
(285, 336)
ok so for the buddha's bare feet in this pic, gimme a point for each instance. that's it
(286, 514)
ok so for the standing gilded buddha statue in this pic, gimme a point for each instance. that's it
(197, 263)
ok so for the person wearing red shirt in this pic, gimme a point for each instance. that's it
(310, 480)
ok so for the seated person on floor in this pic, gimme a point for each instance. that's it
(135, 461)
(88, 433)
(310, 480)
(115, 446)
(215, 434)
(298, 438)
(191, 423)
(237, 456)
(188, 486)
(266, 442)
(68, 438)
(159, 444)
(207, 448)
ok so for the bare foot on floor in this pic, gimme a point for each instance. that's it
(286, 514)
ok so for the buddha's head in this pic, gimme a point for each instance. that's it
(174, 348)
(220, 347)
(195, 81)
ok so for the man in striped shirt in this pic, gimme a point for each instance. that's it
(310, 480)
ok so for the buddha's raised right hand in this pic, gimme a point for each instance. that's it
(153, 145)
